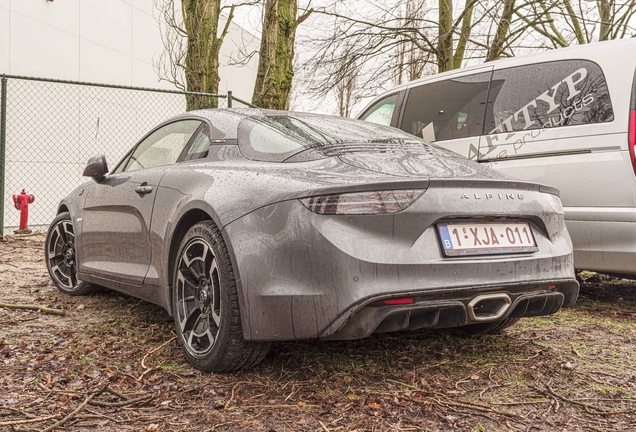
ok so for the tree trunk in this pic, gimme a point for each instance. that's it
(445, 34)
(498, 44)
(276, 56)
(605, 14)
(201, 20)
(576, 25)
(467, 26)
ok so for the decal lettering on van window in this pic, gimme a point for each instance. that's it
(547, 97)
(580, 97)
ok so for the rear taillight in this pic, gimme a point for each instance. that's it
(362, 203)
(632, 137)
(631, 132)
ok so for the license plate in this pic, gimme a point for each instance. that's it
(486, 238)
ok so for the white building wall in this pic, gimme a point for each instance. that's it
(53, 131)
(104, 41)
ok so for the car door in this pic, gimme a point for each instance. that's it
(116, 241)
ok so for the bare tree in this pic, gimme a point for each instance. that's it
(276, 56)
(410, 62)
(347, 89)
(496, 48)
(399, 40)
(566, 22)
(191, 40)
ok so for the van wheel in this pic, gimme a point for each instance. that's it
(205, 305)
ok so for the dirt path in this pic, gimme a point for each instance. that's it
(572, 371)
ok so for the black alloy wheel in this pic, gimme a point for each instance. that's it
(198, 297)
(206, 307)
(61, 257)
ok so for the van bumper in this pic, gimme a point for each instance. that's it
(604, 239)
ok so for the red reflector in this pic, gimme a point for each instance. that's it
(632, 137)
(551, 287)
(399, 301)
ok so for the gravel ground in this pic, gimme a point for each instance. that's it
(111, 363)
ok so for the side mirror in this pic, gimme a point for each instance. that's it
(96, 168)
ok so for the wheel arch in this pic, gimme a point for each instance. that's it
(63, 208)
(188, 220)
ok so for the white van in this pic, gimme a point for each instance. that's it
(565, 118)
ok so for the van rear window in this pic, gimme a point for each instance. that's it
(448, 109)
(554, 94)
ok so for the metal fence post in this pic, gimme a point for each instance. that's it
(229, 98)
(3, 142)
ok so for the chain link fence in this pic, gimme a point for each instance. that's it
(49, 129)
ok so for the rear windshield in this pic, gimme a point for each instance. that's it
(277, 138)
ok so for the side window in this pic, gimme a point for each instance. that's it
(200, 146)
(561, 93)
(163, 146)
(382, 111)
(447, 109)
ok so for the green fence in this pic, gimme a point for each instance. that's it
(49, 129)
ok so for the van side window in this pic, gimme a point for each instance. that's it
(561, 93)
(448, 109)
(381, 112)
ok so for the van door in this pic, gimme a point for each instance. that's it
(553, 123)
(449, 112)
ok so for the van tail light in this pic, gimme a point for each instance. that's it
(362, 203)
(631, 132)
(632, 137)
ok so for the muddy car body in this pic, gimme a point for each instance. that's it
(265, 226)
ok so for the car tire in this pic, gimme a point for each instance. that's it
(205, 305)
(60, 257)
(490, 327)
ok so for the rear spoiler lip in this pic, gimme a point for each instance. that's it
(495, 185)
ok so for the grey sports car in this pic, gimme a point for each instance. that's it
(250, 226)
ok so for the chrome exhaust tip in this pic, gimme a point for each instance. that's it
(488, 307)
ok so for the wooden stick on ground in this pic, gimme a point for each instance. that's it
(27, 421)
(143, 360)
(40, 308)
(126, 402)
(76, 411)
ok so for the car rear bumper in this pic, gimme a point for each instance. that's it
(302, 275)
(455, 309)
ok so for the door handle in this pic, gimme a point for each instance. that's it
(143, 190)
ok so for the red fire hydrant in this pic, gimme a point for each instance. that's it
(21, 202)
